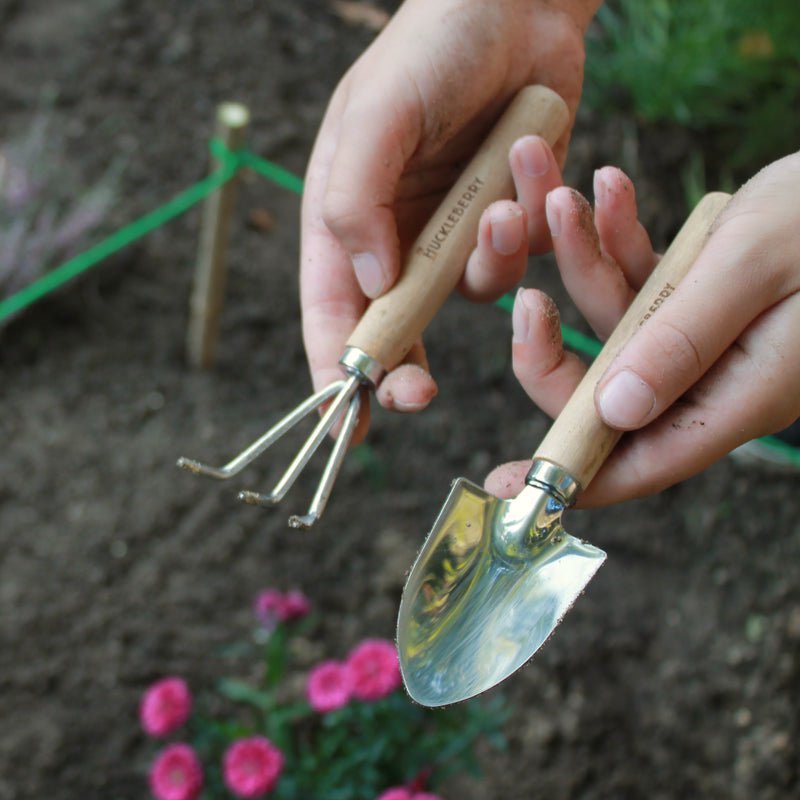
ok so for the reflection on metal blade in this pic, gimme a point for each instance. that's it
(470, 617)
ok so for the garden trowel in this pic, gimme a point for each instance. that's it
(495, 577)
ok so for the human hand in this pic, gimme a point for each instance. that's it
(399, 128)
(715, 367)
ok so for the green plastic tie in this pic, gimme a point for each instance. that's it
(272, 172)
(787, 450)
(266, 169)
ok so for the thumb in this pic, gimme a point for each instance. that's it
(358, 205)
(672, 350)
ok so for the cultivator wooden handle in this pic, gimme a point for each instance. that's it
(435, 263)
(579, 441)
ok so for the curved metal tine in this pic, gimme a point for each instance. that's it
(331, 468)
(254, 450)
(307, 450)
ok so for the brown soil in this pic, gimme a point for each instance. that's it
(676, 675)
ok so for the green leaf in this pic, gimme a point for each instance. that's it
(293, 713)
(498, 741)
(276, 657)
(241, 692)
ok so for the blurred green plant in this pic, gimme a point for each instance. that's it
(351, 734)
(371, 463)
(694, 179)
(726, 68)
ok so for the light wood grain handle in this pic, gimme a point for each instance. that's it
(578, 440)
(436, 260)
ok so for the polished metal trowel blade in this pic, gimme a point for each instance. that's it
(471, 615)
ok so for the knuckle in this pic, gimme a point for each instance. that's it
(540, 372)
(675, 354)
(339, 214)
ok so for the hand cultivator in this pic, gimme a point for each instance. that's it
(393, 322)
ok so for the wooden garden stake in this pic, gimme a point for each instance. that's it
(208, 292)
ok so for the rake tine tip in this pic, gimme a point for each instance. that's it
(198, 468)
(189, 465)
(256, 499)
(302, 522)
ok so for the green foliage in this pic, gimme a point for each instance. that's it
(728, 68)
(362, 749)
(694, 179)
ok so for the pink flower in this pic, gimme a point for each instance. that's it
(252, 767)
(420, 780)
(295, 605)
(329, 686)
(176, 774)
(269, 607)
(165, 706)
(402, 793)
(272, 606)
(374, 669)
(396, 793)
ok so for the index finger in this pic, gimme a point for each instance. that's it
(331, 300)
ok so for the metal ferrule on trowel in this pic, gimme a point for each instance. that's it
(532, 520)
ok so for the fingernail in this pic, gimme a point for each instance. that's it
(600, 188)
(626, 400)
(408, 406)
(520, 319)
(553, 214)
(507, 232)
(534, 158)
(369, 274)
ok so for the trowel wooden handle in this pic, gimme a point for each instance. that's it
(578, 440)
(436, 260)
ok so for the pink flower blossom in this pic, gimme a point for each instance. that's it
(252, 767)
(396, 793)
(402, 793)
(272, 606)
(374, 669)
(329, 686)
(295, 605)
(176, 774)
(420, 780)
(269, 607)
(165, 706)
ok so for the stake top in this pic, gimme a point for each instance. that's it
(233, 115)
